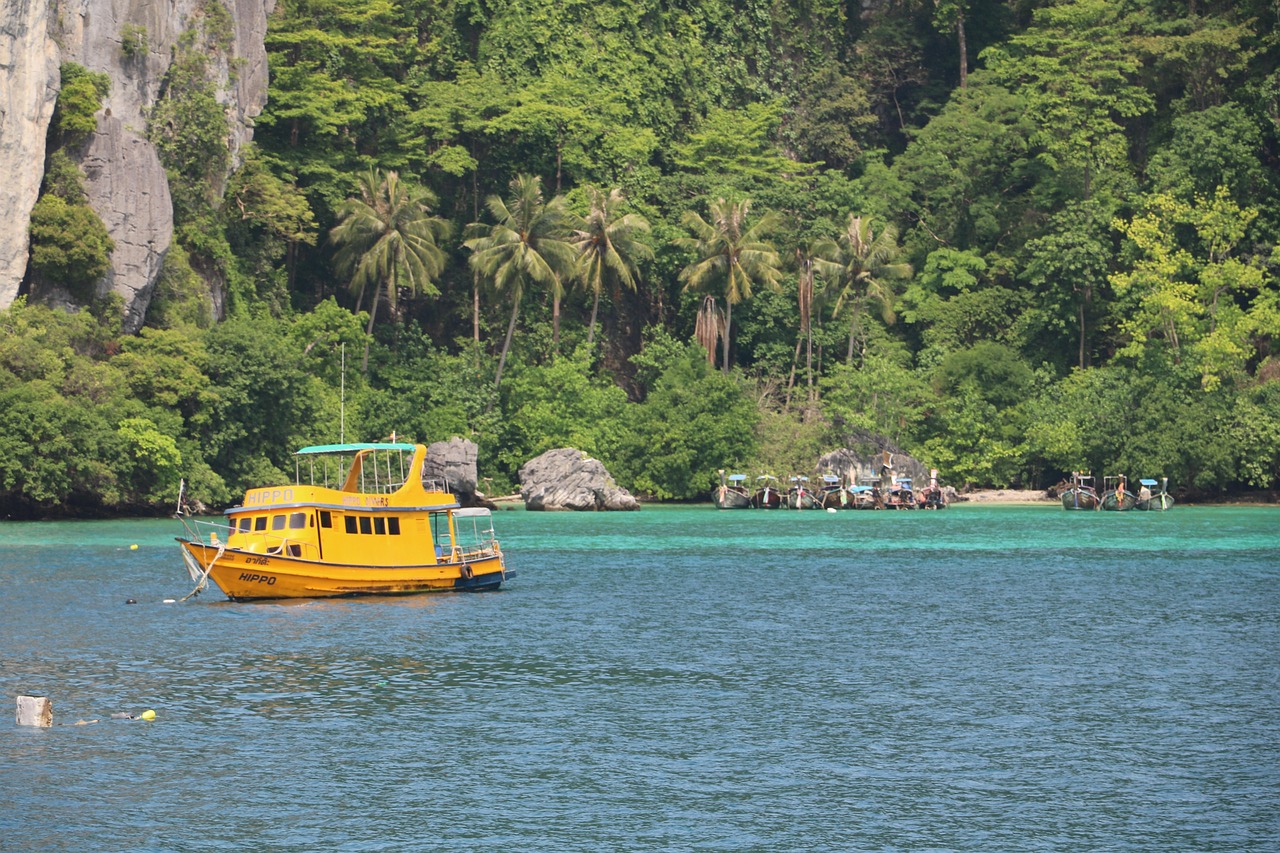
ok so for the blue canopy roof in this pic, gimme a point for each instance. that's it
(353, 448)
(1147, 482)
(737, 478)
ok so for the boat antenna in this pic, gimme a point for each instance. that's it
(342, 407)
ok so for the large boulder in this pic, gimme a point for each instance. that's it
(855, 467)
(453, 463)
(568, 479)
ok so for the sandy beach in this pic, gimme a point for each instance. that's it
(1007, 496)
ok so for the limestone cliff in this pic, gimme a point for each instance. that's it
(125, 180)
(28, 89)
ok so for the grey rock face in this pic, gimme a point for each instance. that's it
(126, 183)
(28, 90)
(857, 467)
(568, 479)
(129, 191)
(453, 462)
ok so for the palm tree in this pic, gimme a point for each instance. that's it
(865, 259)
(526, 245)
(607, 247)
(809, 266)
(731, 256)
(388, 239)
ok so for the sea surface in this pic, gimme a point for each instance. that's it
(1007, 678)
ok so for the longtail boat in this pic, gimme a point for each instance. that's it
(1153, 501)
(359, 520)
(1116, 496)
(1081, 494)
(799, 496)
(767, 495)
(834, 495)
(731, 493)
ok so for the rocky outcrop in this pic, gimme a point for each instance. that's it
(453, 463)
(28, 90)
(855, 467)
(125, 180)
(568, 479)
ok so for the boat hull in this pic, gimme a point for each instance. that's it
(767, 499)
(1156, 503)
(726, 498)
(1118, 502)
(249, 576)
(1079, 499)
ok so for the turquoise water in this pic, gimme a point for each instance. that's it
(985, 678)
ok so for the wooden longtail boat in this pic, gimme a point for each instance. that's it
(799, 496)
(359, 520)
(731, 493)
(834, 495)
(932, 496)
(767, 495)
(1117, 498)
(1154, 501)
(1081, 494)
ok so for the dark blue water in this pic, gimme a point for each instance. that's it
(987, 678)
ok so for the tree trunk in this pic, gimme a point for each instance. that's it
(791, 380)
(809, 363)
(964, 50)
(475, 310)
(1082, 365)
(368, 334)
(591, 328)
(728, 326)
(506, 347)
(555, 323)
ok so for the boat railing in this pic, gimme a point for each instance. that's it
(263, 542)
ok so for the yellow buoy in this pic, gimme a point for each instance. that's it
(148, 715)
(133, 547)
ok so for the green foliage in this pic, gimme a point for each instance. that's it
(189, 129)
(561, 405)
(882, 396)
(81, 96)
(1054, 341)
(699, 418)
(70, 246)
(181, 297)
(134, 41)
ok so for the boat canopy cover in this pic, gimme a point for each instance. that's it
(472, 512)
(737, 478)
(860, 489)
(353, 448)
(1148, 482)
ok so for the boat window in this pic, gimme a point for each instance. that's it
(297, 521)
(260, 523)
(326, 518)
(393, 526)
(351, 523)
(366, 525)
(245, 521)
(380, 526)
(277, 522)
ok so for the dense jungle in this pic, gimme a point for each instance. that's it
(1012, 238)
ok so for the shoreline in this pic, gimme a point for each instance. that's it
(1035, 497)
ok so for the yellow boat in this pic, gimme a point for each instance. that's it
(359, 520)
